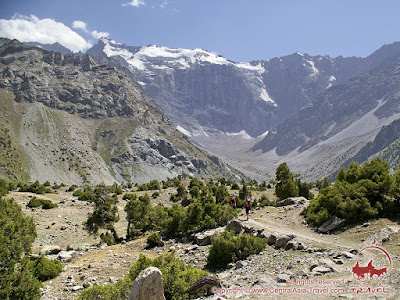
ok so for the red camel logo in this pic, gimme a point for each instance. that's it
(369, 271)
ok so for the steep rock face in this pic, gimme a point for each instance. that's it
(384, 145)
(81, 122)
(203, 91)
(375, 93)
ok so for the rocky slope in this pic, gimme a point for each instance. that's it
(75, 121)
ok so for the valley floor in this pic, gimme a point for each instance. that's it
(326, 257)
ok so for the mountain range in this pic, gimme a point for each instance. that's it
(284, 109)
(315, 112)
(66, 119)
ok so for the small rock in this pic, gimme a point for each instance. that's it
(77, 288)
(282, 278)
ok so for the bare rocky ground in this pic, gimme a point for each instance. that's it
(272, 274)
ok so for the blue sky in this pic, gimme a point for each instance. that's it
(240, 30)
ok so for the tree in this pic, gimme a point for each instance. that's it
(138, 214)
(17, 233)
(285, 184)
(105, 213)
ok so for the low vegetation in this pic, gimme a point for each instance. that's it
(359, 193)
(177, 279)
(229, 247)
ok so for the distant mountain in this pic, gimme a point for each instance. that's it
(203, 92)
(310, 108)
(56, 47)
(64, 118)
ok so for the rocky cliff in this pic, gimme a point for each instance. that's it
(75, 121)
(201, 90)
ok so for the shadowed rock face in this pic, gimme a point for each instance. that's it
(199, 89)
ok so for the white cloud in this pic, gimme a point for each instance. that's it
(83, 26)
(135, 3)
(96, 34)
(164, 4)
(80, 25)
(45, 31)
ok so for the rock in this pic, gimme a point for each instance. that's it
(50, 250)
(77, 288)
(272, 238)
(65, 255)
(332, 224)
(301, 246)
(291, 245)
(240, 264)
(204, 238)
(63, 227)
(235, 225)
(70, 248)
(366, 224)
(148, 285)
(282, 278)
(281, 241)
(292, 201)
(320, 270)
(204, 286)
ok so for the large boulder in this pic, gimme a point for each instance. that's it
(292, 201)
(148, 285)
(204, 286)
(235, 225)
(282, 241)
(332, 224)
(204, 238)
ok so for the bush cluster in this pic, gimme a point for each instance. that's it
(45, 204)
(44, 268)
(36, 188)
(359, 193)
(229, 247)
(177, 279)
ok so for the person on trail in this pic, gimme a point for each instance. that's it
(247, 206)
(232, 202)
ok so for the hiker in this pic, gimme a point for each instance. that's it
(247, 206)
(232, 202)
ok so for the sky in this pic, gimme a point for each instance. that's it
(240, 30)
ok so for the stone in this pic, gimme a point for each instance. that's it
(332, 224)
(235, 225)
(50, 250)
(272, 238)
(282, 278)
(65, 255)
(292, 201)
(281, 241)
(320, 270)
(240, 264)
(204, 238)
(77, 288)
(148, 285)
(204, 286)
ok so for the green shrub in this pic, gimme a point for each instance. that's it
(72, 188)
(155, 195)
(107, 238)
(177, 279)
(34, 202)
(47, 204)
(230, 248)
(45, 269)
(235, 186)
(17, 233)
(154, 240)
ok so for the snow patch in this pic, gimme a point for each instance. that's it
(183, 130)
(315, 71)
(243, 134)
(263, 135)
(264, 95)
